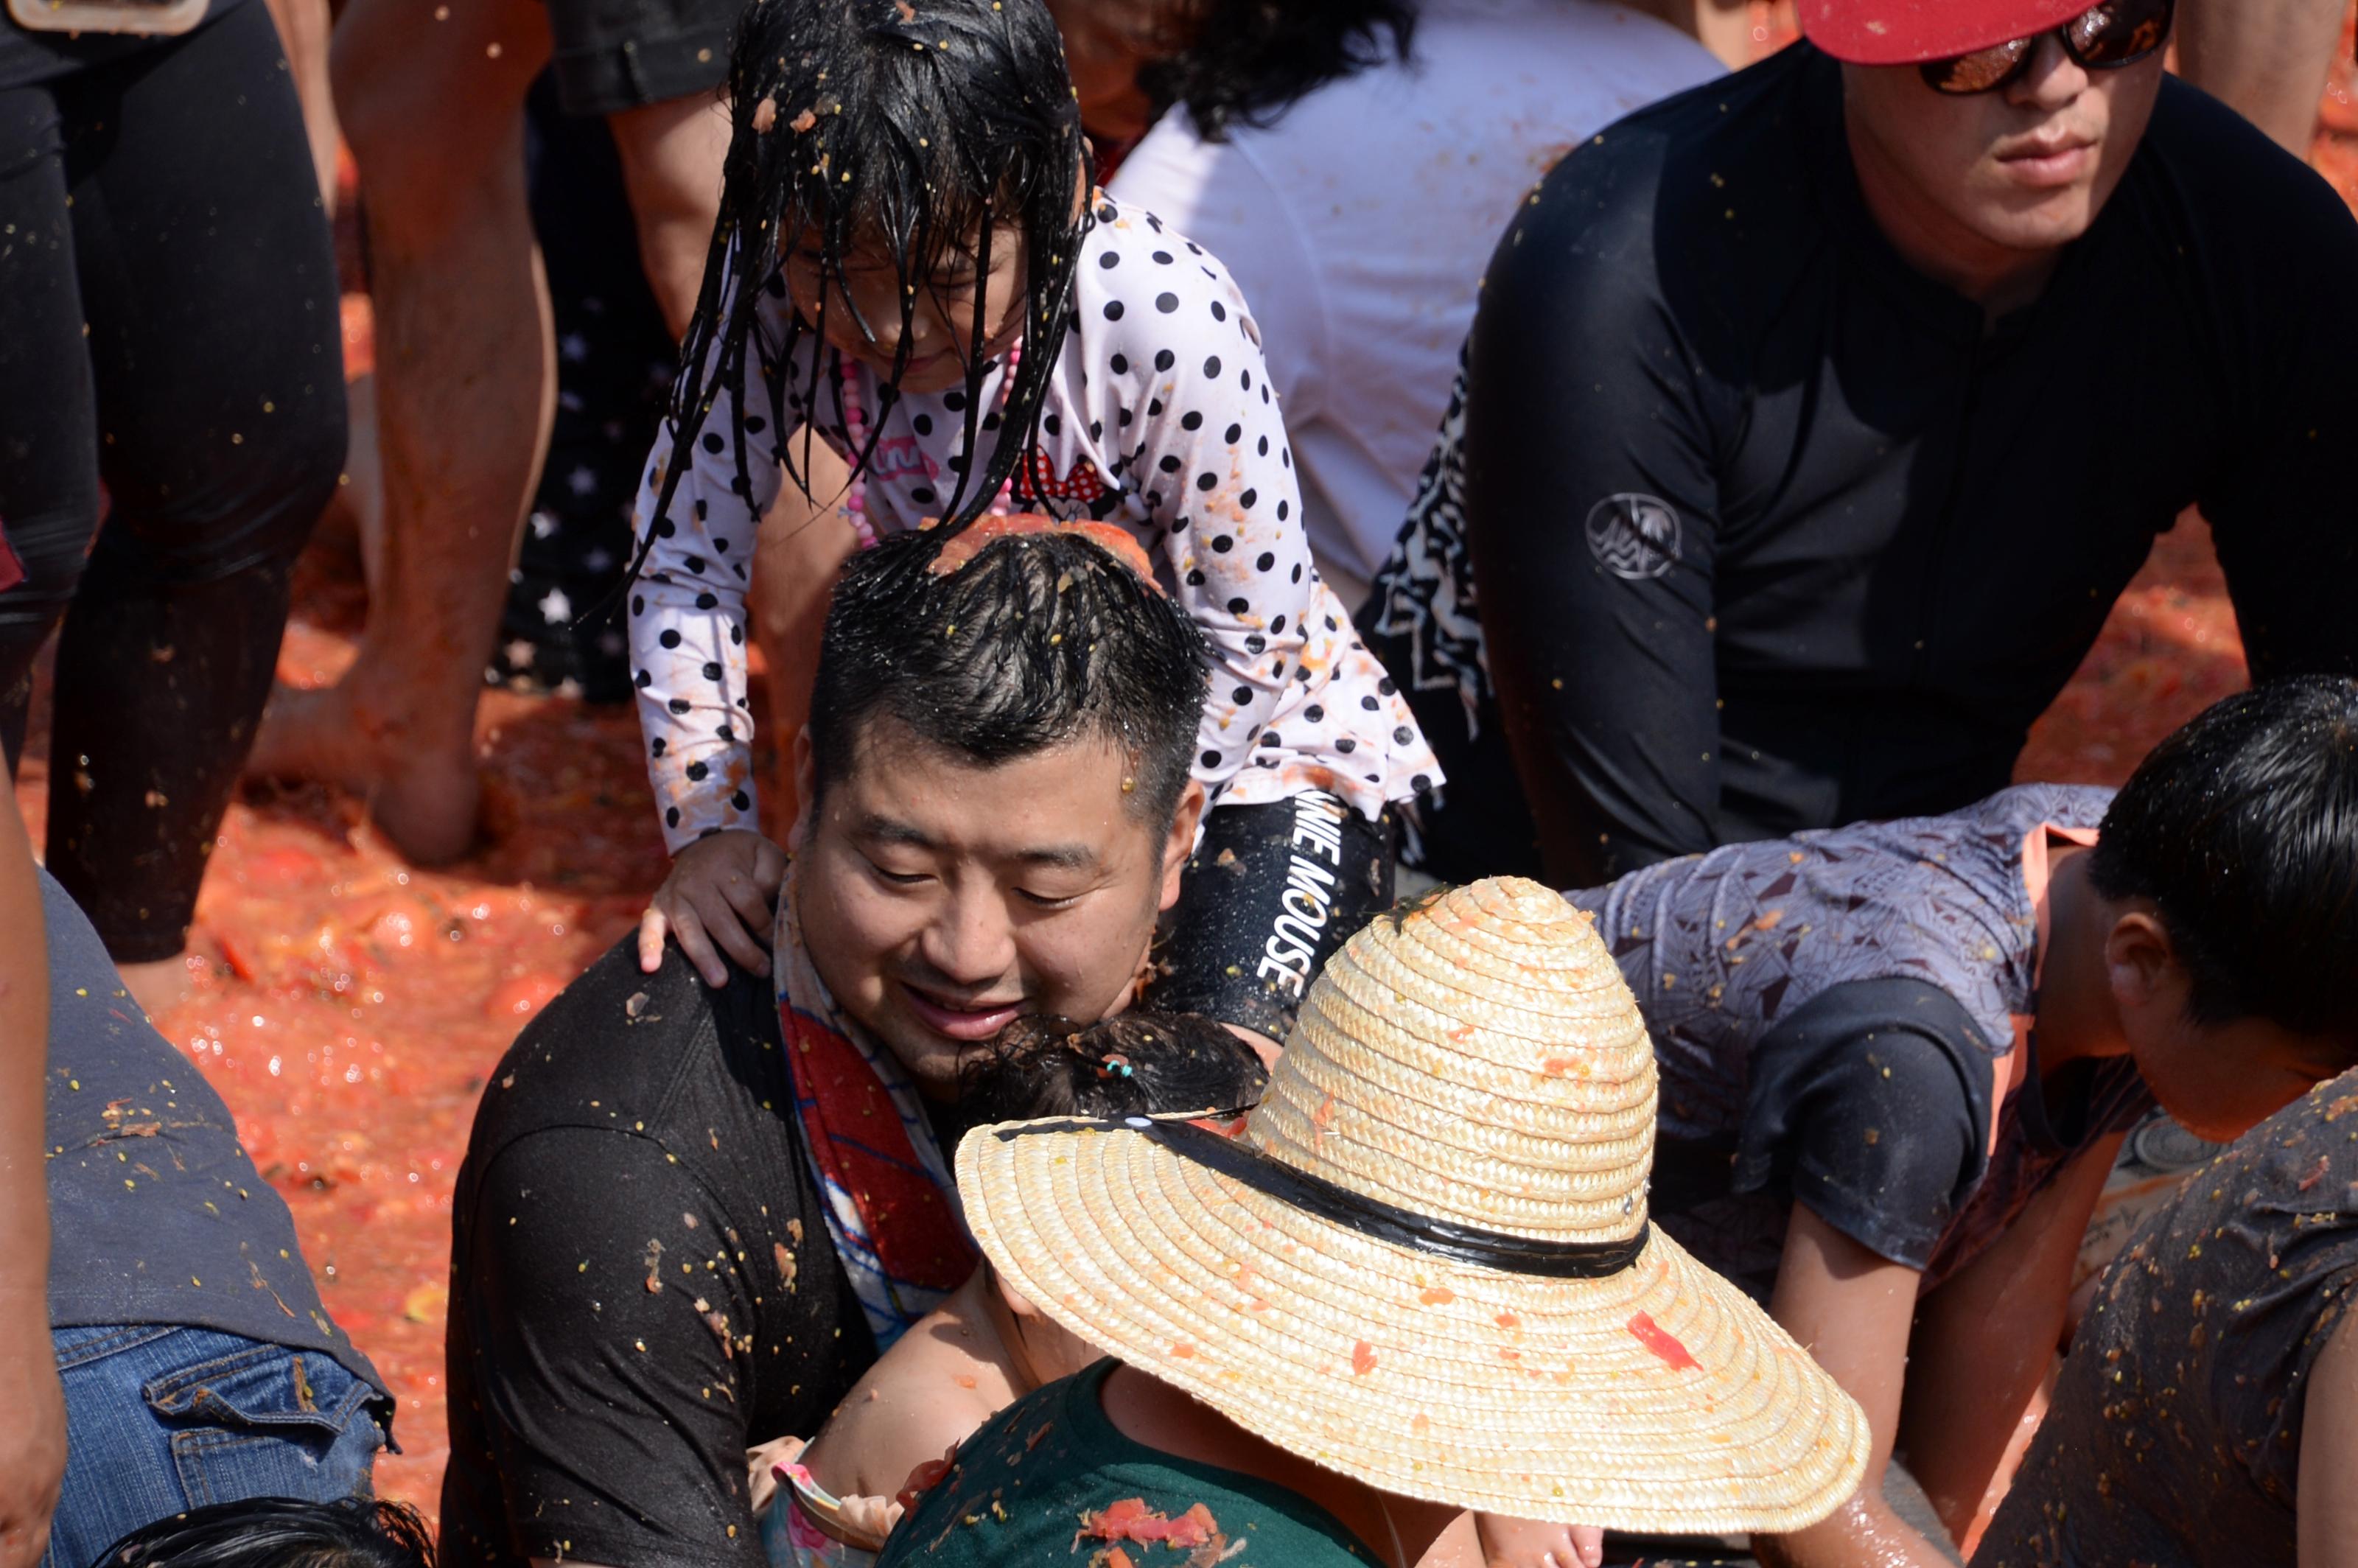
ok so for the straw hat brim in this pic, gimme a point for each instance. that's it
(1659, 1399)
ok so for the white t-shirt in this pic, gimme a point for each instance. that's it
(1161, 419)
(1360, 224)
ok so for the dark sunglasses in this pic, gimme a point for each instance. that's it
(2102, 38)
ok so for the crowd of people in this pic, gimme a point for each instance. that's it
(1397, 924)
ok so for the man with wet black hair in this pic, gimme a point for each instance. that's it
(690, 1216)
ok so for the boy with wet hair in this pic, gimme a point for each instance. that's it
(1897, 1058)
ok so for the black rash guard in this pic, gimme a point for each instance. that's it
(1769, 532)
(642, 1285)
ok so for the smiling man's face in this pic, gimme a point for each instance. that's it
(2023, 169)
(940, 899)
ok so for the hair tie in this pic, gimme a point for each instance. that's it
(1116, 1066)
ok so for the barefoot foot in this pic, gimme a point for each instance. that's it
(428, 805)
(423, 797)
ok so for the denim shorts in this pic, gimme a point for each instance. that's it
(161, 1419)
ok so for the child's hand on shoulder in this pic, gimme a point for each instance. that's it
(1526, 1544)
(722, 889)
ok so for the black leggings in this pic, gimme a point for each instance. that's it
(1270, 893)
(168, 326)
(614, 371)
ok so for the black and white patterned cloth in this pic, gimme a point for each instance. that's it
(1423, 603)
(1159, 420)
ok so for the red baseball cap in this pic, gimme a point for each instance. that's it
(1905, 32)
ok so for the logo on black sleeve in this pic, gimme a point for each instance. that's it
(1634, 537)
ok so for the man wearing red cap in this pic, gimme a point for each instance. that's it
(1812, 421)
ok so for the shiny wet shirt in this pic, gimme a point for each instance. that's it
(2173, 1440)
(1840, 1019)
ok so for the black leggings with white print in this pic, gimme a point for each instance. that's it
(1272, 893)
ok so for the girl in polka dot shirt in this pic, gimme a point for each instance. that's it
(933, 291)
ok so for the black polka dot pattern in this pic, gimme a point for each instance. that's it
(1160, 380)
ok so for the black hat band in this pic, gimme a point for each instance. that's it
(1371, 1217)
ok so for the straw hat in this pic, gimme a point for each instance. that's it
(1426, 1260)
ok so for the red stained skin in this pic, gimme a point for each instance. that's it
(1652, 1336)
(983, 531)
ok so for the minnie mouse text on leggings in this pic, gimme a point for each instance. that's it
(1306, 907)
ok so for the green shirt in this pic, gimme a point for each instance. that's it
(1032, 1489)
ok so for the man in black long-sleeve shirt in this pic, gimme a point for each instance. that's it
(690, 1216)
(1814, 419)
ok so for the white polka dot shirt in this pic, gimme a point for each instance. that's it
(1159, 420)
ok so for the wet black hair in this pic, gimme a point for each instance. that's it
(280, 1532)
(1250, 61)
(1039, 639)
(2241, 827)
(921, 125)
(1136, 1063)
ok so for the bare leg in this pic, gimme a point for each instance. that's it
(801, 547)
(672, 154)
(361, 495)
(433, 107)
(2266, 59)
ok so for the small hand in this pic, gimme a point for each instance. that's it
(1528, 1543)
(722, 889)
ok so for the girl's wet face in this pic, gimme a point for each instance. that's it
(861, 316)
